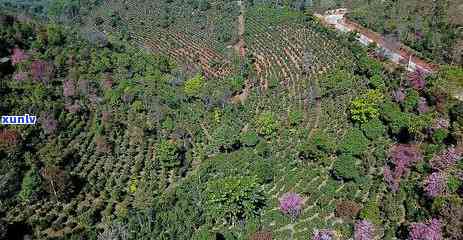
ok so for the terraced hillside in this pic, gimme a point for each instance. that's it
(199, 35)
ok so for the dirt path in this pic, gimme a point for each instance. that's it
(318, 109)
(240, 50)
(240, 46)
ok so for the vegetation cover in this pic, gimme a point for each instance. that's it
(153, 124)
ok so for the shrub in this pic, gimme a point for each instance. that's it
(41, 70)
(114, 231)
(167, 152)
(354, 142)
(397, 120)
(411, 100)
(317, 148)
(346, 167)
(194, 86)
(267, 123)
(347, 208)
(30, 185)
(291, 204)
(249, 139)
(440, 135)
(225, 136)
(261, 235)
(377, 82)
(371, 212)
(366, 107)
(453, 183)
(363, 230)
(233, 198)
(374, 129)
(394, 208)
(295, 117)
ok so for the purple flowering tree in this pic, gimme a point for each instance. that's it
(441, 123)
(429, 230)
(398, 95)
(390, 180)
(72, 107)
(445, 159)
(291, 204)
(41, 70)
(417, 79)
(324, 234)
(422, 105)
(363, 230)
(18, 56)
(435, 184)
(49, 123)
(403, 157)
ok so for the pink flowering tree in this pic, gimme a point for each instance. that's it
(291, 204)
(403, 157)
(417, 79)
(69, 88)
(429, 230)
(324, 234)
(435, 184)
(18, 56)
(41, 70)
(363, 230)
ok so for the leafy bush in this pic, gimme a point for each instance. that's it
(377, 82)
(371, 212)
(225, 136)
(366, 107)
(411, 100)
(317, 148)
(30, 186)
(346, 167)
(295, 117)
(249, 138)
(354, 142)
(233, 198)
(167, 153)
(267, 123)
(193, 87)
(396, 119)
(374, 129)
